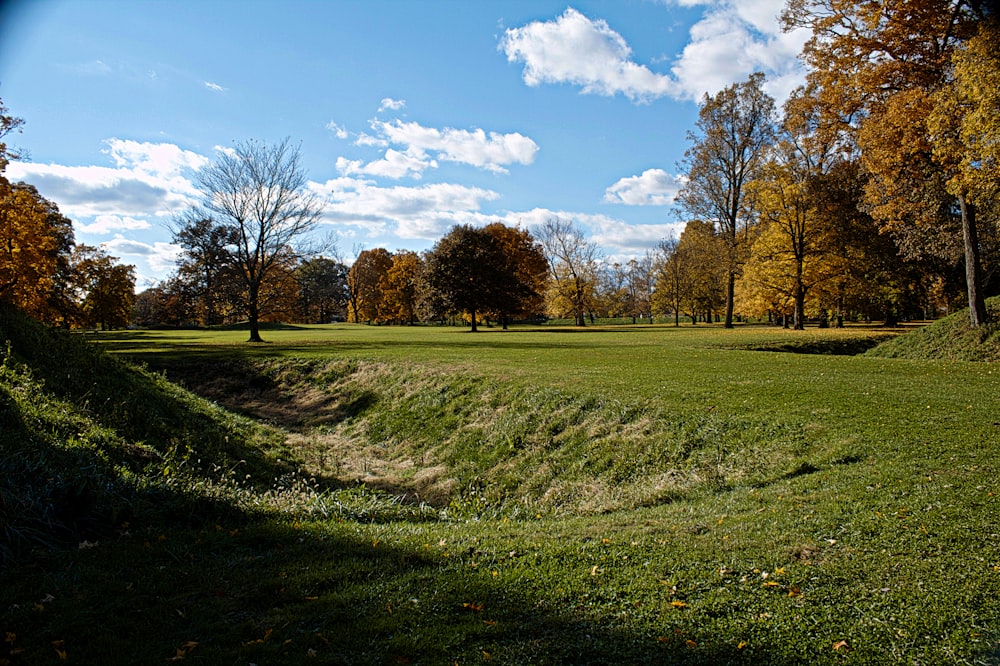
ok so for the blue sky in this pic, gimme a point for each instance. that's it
(411, 116)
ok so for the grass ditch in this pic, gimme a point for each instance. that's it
(813, 509)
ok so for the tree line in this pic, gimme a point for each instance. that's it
(42, 268)
(871, 193)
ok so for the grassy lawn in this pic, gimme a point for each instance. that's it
(636, 494)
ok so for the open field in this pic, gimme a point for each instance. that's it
(546, 496)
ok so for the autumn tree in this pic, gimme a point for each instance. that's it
(322, 284)
(105, 288)
(881, 71)
(400, 287)
(573, 268)
(734, 129)
(470, 271)
(363, 280)
(965, 130)
(35, 243)
(788, 255)
(259, 192)
(693, 273)
(525, 261)
(671, 278)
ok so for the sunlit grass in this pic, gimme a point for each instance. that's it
(620, 495)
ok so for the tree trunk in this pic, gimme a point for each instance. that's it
(473, 315)
(978, 315)
(253, 315)
(730, 298)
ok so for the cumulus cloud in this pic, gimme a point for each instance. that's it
(581, 51)
(147, 180)
(391, 104)
(104, 224)
(160, 256)
(424, 212)
(492, 151)
(733, 39)
(653, 187)
(394, 164)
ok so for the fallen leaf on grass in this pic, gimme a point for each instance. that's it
(475, 608)
(841, 645)
(678, 604)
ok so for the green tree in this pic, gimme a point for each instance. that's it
(322, 289)
(206, 261)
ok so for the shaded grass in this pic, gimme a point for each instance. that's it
(850, 518)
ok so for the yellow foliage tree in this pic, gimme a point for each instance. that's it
(29, 247)
(399, 287)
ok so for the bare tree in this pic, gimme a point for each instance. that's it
(260, 191)
(735, 127)
(573, 263)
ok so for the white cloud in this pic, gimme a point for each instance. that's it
(653, 187)
(147, 180)
(575, 49)
(164, 160)
(491, 151)
(214, 87)
(425, 212)
(733, 39)
(104, 224)
(160, 256)
(389, 103)
(394, 164)
(337, 130)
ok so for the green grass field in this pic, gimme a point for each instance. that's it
(630, 494)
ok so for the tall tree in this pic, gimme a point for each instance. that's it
(735, 127)
(106, 288)
(525, 261)
(400, 287)
(322, 289)
(205, 258)
(880, 69)
(788, 254)
(468, 268)
(260, 193)
(363, 280)
(573, 267)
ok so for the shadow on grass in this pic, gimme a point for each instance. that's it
(283, 594)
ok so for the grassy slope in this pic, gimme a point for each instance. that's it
(950, 338)
(783, 504)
